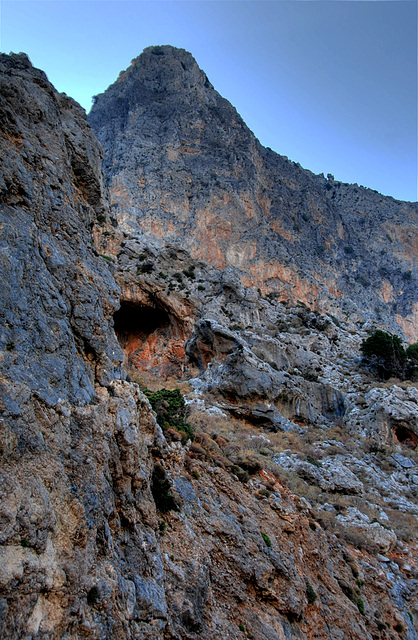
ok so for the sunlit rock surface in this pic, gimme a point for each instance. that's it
(180, 163)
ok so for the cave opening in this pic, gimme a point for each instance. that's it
(136, 320)
(152, 339)
(405, 436)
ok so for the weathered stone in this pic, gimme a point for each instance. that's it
(84, 551)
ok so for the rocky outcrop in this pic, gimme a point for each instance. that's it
(56, 331)
(181, 163)
(107, 528)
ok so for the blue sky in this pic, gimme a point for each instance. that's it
(332, 84)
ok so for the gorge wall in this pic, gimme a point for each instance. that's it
(158, 282)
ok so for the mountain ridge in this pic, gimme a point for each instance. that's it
(287, 231)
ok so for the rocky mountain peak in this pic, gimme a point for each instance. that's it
(168, 69)
(161, 73)
(181, 164)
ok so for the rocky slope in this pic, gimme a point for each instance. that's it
(293, 512)
(180, 163)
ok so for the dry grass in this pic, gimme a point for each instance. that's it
(147, 380)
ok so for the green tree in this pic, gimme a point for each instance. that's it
(386, 352)
(412, 351)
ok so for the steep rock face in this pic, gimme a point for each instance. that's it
(180, 163)
(54, 315)
(86, 548)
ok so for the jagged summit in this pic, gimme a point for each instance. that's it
(160, 71)
(181, 164)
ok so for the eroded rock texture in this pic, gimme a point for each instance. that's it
(181, 163)
(88, 548)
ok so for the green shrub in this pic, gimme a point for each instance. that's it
(189, 273)
(310, 593)
(412, 351)
(266, 538)
(312, 460)
(161, 491)
(360, 605)
(385, 351)
(162, 526)
(171, 410)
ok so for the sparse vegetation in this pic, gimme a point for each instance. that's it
(310, 593)
(93, 595)
(171, 410)
(189, 273)
(266, 539)
(161, 491)
(145, 267)
(386, 353)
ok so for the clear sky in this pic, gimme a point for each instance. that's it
(332, 84)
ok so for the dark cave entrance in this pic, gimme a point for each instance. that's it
(405, 436)
(133, 320)
(152, 339)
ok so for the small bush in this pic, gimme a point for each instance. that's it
(360, 606)
(310, 593)
(189, 273)
(171, 410)
(145, 267)
(93, 595)
(385, 351)
(312, 460)
(242, 475)
(162, 526)
(412, 351)
(200, 287)
(266, 538)
(161, 491)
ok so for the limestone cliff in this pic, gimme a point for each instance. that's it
(181, 163)
(110, 528)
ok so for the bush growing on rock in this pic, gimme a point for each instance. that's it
(161, 491)
(171, 410)
(386, 353)
(310, 593)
